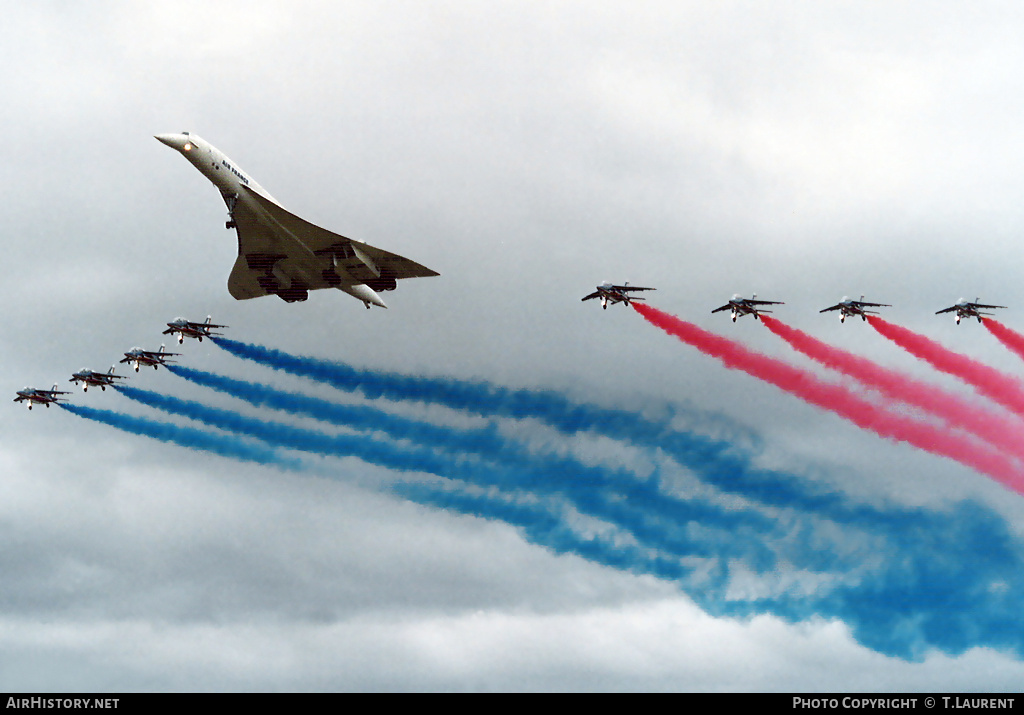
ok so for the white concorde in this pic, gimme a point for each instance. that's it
(281, 254)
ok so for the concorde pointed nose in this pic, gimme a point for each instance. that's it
(181, 142)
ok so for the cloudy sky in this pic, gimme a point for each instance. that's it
(690, 528)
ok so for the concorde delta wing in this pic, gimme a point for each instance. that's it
(331, 257)
(258, 250)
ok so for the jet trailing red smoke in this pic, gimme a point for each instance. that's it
(993, 384)
(841, 400)
(999, 430)
(1010, 338)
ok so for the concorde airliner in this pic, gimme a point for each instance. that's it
(281, 254)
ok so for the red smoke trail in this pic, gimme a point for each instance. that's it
(1003, 432)
(1009, 338)
(995, 385)
(840, 400)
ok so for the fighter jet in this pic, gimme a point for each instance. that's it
(965, 309)
(138, 356)
(613, 294)
(848, 306)
(188, 329)
(43, 397)
(281, 254)
(97, 379)
(746, 306)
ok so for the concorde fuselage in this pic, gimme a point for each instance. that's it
(216, 167)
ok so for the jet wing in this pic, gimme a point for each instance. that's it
(724, 307)
(983, 305)
(149, 355)
(595, 294)
(625, 288)
(293, 238)
(763, 302)
(862, 304)
(947, 310)
(837, 306)
(196, 326)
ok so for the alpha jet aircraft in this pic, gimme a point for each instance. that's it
(849, 306)
(746, 306)
(188, 329)
(966, 309)
(138, 356)
(281, 254)
(613, 294)
(43, 397)
(97, 379)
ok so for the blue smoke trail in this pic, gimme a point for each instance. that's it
(225, 446)
(370, 450)
(957, 583)
(924, 594)
(478, 398)
(547, 528)
(484, 441)
(617, 497)
(954, 584)
(718, 463)
(674, 528)
(904, 580)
